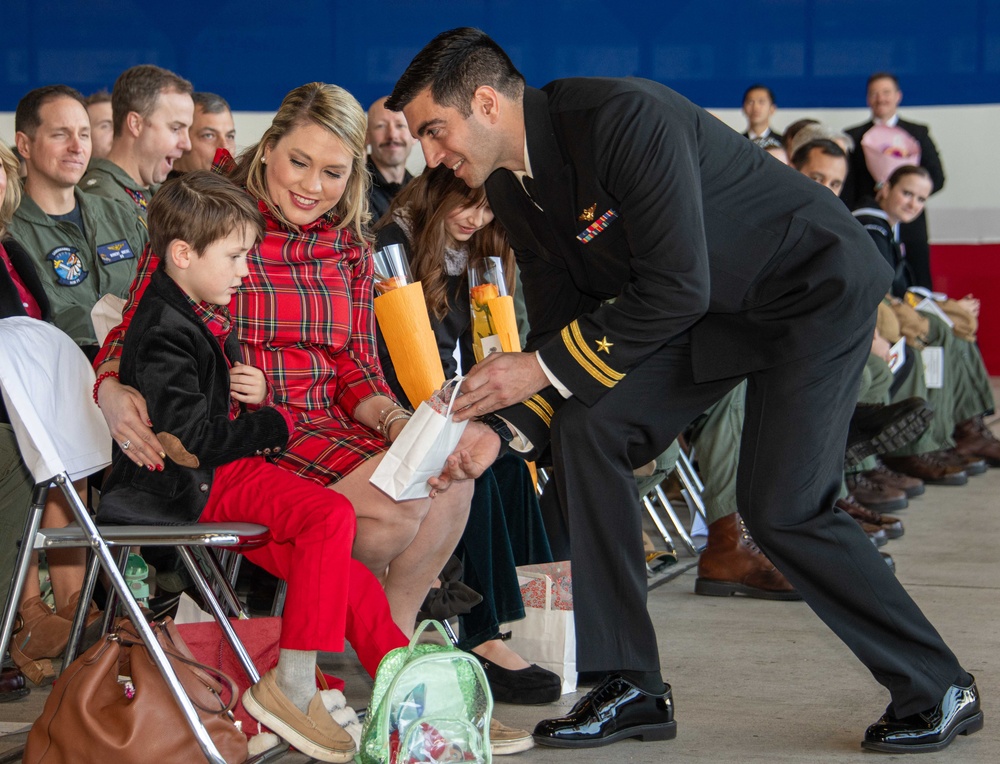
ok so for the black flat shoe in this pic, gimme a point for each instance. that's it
(531, 686)
(614, 710)
(958, 713)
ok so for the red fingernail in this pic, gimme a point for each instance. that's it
(159, 467)
(149, 467)
(149, 422)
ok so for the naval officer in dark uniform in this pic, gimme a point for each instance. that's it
(724, 265)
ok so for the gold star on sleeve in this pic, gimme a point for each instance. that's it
(604, 345)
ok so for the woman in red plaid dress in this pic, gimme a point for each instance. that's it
(304, 316)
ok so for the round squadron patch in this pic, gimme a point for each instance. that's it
(67, 265)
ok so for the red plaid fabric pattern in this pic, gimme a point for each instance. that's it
(304, 316)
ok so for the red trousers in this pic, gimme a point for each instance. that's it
(330, 595)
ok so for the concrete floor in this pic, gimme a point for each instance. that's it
(758, 681)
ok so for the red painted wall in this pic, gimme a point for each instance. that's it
(961, 269)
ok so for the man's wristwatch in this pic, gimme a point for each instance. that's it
(498, 426)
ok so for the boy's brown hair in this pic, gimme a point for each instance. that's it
(200, 208)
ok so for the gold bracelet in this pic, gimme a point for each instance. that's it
(396, 416)
(385, 416)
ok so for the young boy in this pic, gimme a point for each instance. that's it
(207, 407)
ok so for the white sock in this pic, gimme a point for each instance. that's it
(296, 676)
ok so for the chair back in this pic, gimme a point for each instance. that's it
(47, 381)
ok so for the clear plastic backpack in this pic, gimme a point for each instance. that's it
(431, 704)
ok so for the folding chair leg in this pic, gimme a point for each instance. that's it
(227, 628)
(678, 525)
(655, 517)
(450, 632)
(222, 587)
(82, 607)
(278, 606)
(22, 566)
(689, 477)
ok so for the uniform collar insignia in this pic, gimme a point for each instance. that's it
(587, 216)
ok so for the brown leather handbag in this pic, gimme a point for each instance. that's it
(111, 705)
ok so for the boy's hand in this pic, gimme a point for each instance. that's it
(247, 383)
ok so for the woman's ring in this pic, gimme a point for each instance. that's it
(126, 445)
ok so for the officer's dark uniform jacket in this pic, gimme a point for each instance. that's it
(698, 234)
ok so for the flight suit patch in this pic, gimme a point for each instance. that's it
(114, 252)
(67, 265)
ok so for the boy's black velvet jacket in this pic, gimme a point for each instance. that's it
(174, 361)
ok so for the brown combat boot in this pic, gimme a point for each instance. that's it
(733, 564)
(974, 438)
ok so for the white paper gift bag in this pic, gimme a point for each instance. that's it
(547, 635)
(423, 446)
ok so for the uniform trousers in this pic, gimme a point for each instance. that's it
(16, 485)
(330, 595)
(965, 391)
(789, 475)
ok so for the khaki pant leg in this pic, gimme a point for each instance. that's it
(717, 440)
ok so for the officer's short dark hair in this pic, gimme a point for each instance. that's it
(823, 145)
(200, 207)
(27, 118)
(758, 86)
(882, 76)
(210, 103)
(453, 65)
(137, 89)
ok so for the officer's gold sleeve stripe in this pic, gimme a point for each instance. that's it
(592, 356)
(544, 404)
(539, 412)
(584, 363)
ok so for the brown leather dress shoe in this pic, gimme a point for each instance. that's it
(733, 564)
(974, 438)
(932, 467)
(911, 486)
(877, 496)
(892, 526)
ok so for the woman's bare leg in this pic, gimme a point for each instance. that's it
(407, 543)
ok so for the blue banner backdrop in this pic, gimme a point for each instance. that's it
(812, 53)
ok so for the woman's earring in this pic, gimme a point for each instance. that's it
(263, 160)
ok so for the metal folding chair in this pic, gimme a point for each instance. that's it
(46, 381)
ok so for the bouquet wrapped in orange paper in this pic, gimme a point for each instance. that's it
(494, 325)
(406, 327)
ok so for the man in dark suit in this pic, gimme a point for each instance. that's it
(390, 143)
(724, 265)
(758, 108)
(884, 97)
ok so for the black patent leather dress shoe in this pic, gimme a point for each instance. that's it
(614, 710)
(958, 713)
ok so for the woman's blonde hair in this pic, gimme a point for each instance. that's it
(335, 109)
(11, 199)
(426, 201)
